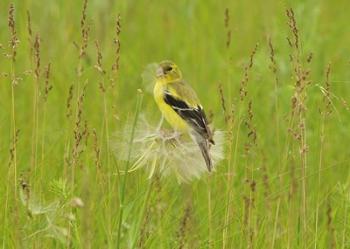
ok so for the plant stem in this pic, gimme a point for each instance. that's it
(127, 164)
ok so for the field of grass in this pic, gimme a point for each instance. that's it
(274, 76)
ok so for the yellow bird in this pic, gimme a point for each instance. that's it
(181, 107)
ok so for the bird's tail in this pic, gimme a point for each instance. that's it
(204, 147)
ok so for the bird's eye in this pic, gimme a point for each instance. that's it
(167, 69)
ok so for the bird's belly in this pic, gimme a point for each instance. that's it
(168, 113)
(173, 118)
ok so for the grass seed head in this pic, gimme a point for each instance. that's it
(48, 86)
(13, 34)
(118, 28)
(37, 56)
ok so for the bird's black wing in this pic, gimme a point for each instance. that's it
(194, 116)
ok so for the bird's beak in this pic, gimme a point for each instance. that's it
(160, 72)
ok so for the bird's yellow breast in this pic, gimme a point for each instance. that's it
(169, 114)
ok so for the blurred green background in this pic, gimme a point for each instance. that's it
(59, 182)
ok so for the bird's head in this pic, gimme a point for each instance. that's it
(168, 71)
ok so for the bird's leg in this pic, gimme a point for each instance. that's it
(160, 123)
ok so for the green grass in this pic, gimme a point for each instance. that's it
(285, 179)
